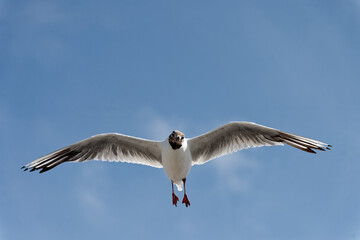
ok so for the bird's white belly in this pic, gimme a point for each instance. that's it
(176, 163)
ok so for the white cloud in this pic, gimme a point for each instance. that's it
(229, 169)
(91, 184)
(158, 127)
(90, 200)
(30, 35)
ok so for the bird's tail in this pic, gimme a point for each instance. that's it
(179, 185)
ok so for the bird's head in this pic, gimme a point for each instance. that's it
(176, 139)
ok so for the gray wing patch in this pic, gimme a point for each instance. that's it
(105, 147)
(236, 136)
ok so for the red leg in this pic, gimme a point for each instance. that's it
(175, 199)
(185, 199)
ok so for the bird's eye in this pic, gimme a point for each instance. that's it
(182, 138)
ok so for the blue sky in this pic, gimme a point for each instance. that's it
(73, 69)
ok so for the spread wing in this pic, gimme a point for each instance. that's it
(235, 136)
(105, 147)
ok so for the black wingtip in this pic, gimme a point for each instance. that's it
(310, 150)
(45, 169)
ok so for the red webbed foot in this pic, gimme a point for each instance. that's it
(186, 200)
(175, 199)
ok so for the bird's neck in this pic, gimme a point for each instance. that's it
(175, 145)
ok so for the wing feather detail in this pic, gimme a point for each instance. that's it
(236, 136)
(106, 147)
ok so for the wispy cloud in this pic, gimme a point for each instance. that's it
(90, 200)
(229, 169)
(91, 183)
(158, 127)
(30, 36)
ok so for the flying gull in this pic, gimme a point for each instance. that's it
(176, 154)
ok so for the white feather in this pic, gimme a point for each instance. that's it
(176, 163)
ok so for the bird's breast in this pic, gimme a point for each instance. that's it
(176, 163)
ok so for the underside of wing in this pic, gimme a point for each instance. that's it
(236, 136)
(105, 147)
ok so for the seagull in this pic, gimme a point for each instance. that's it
(176, 154)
